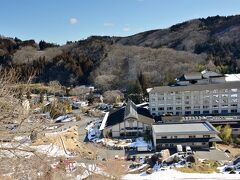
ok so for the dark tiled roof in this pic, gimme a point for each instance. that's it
(117, 116)
(144, 112)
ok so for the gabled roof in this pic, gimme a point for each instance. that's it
(115, 117)
(130, 110)
(144, 116)
(140, 113)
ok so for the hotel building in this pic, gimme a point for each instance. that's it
(215, 96)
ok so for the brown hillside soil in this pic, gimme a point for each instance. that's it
(70, 139)
(233, 151)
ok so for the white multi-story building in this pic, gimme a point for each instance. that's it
(195, 99)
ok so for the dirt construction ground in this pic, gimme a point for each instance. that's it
(233, 151)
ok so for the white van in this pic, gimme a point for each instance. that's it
(188, 150)
(179, 149)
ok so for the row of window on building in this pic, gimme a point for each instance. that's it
(190, 136)
(169, 108)
(185, 98)
(206, 112)
(169, 145)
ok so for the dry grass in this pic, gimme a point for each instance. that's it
(201, 167)
(52, 87)
(114, 168)
(5, 178)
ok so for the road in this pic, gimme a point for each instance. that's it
(176, 175)
(81, 127)
(101, 151)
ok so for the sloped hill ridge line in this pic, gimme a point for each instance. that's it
(111, 62)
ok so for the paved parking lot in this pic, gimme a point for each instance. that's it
(214, 154)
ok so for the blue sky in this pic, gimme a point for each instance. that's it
(61, 20)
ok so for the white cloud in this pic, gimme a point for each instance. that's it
(108, 24)
(73, 20)
(126, 29)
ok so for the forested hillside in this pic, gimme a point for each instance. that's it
(112, 62)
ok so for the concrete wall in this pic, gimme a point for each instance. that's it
(174, 145)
